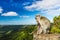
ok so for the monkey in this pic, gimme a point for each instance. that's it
(43, 24)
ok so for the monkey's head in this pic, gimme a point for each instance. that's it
(38, 18)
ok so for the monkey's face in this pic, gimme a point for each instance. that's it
(38, 19)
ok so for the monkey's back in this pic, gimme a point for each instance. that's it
(45, 22)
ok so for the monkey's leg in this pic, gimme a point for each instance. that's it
(44, 31)
(39, 31)
(47, 31)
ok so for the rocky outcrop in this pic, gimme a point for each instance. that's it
(46, 37)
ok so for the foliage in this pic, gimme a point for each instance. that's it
(56, 25)
(24, 33)
(21, 34)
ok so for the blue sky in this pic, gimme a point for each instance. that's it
(18, 12)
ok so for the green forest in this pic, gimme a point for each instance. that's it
(21, 32)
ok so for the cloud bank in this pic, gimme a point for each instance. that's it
(50, 7)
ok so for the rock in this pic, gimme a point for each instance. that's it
(46, 37)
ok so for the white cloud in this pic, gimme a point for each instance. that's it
(9, 14)
(44, 4)
(24, 16)
(51, 7)
(1, 10)
(52, 12)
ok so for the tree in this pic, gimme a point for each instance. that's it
(56, 25)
